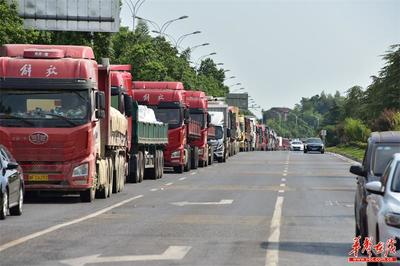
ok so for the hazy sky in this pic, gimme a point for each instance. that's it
(284, 50)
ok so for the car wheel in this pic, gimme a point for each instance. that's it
(17, 210)
(4, 205)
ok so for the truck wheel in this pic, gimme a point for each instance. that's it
(102, 174)
(141, 166)
(188, 161)
(134, 169)
(122, 172)
(162, 163)
(87, 195)
(179, 169)
(151, 173)
(195, 158)
(110, 170)
(115, 175)
(17, 210)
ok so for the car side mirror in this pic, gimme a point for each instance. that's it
(375, 187)
(12, 166)
(128, 105)
(100, 100)
(358, 170)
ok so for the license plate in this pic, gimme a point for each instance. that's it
(38, 177)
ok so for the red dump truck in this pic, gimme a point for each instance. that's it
(147, 138)
(168, 100)
(57, 120)
(198, 109)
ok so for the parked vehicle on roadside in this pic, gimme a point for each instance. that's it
(198, 111)
(220, 118)
(381, 147)
(296, 145)
(11, 185)
(383, 208)
(168, 100)
(59, 123)
(314, 144)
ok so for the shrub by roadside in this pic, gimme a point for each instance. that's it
(351, 151)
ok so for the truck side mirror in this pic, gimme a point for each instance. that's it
(228, 132)
(186, 116)
(100, 114)
(128, 103)
(100, 100)
(208, 119)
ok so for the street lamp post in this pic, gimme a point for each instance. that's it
(236, 84)
(164, 26)
(204, 56)
(197, 46)
(134, 8)
(231, 77)
(181, 38)
(176, 42)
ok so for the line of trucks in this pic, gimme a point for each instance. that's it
(77, 126)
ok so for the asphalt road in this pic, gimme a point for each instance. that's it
(259, 208)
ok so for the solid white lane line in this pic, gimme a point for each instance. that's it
(62, 225)
(154, 189)
(182, 178)
(168, 184)
(272, 255)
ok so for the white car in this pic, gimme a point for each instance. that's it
(383, 209)
(296, 145)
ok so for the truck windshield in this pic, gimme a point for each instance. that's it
(43, 108)
(172, 116)
(219, 133)
(382, 154)
(199, 118)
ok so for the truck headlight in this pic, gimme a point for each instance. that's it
(392, 219)
(81, 170)
(176, 154)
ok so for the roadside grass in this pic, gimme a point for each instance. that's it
(352, 152)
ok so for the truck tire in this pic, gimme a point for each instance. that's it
(134, 169)
(179, 169)
(87, 195)
(195, 158)
(122, 173)
(115, 175)
(152, 173)
(188, 161)
(102, 174)
(162, 163)
(211, 157)
(141, 166)
(110, 176)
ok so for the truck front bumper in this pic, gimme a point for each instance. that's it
(174, 157)
(57, 176)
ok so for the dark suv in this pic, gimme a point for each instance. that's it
(380, 149)
(314, 144)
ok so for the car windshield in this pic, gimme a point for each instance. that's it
(296, 142)
(219, 133)
(170, 116)
(199, 118)
(43, 108)
(381, 156)
(314, 140)
(396, 179)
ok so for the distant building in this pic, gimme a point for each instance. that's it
(276, 112)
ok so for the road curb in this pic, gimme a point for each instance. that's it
(344, 158)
